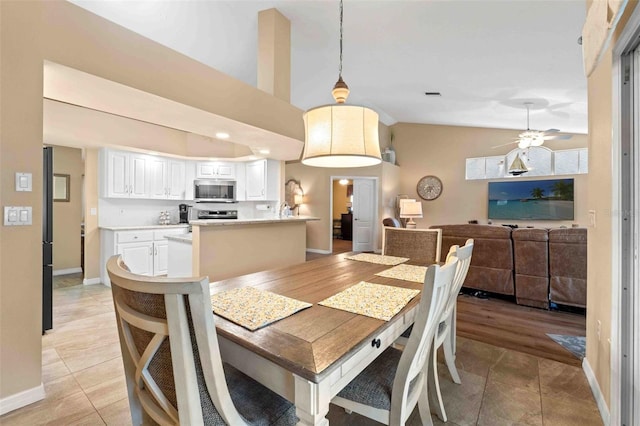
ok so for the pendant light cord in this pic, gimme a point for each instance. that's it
(340, 69)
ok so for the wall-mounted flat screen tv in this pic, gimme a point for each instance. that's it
(531, 200)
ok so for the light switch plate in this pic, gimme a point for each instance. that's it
(24, 182)
(17, 215)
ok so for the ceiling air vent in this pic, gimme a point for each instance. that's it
(433, 93)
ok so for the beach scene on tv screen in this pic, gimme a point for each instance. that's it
(531, 200)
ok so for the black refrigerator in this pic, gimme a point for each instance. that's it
(47, 240)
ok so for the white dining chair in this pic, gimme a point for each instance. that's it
(173, 368)
(445, 335)
(390, 387)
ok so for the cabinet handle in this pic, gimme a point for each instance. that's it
(375, 343)
(155, 251)
(150, 251)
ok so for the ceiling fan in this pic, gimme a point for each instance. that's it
(530, 138)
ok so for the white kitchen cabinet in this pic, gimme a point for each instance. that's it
(139, 176)
(138, 257)
(158, 177)
(116, 176)
(215, 170)
(126, 175)
(160, 257)
(144, 251)
(133, 175)
(167, 179)
(176, 180)
(262, 180)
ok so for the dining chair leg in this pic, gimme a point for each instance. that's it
(423, 406)
(439, 403)
(435, 398)
(453, 328)
(449, 357)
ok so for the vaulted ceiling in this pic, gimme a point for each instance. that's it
(486, 58)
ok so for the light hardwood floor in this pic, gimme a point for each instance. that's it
(84, 379)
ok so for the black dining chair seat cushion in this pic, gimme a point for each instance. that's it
(256, 404)
(373, 386)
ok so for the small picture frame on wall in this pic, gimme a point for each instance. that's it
(61, 185)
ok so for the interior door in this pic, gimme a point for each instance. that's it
(364, 214)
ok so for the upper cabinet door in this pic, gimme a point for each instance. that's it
(256, 180)
(157, 177)
(117, 176)
(131, 175)
(139, 176)
(176, 180)
(215, 170)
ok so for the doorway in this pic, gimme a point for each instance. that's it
(353, 212)
(625, 350)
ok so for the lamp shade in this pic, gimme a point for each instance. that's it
(341, 136)
(411, 209)
(297, 199)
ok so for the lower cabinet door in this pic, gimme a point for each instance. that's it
(138, 257)
(160, 257)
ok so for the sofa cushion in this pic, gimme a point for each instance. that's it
(491, 266)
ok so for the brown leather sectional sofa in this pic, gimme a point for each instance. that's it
(492, 260)
(536, 265)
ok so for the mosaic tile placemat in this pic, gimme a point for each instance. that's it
(372, 300)
(405, 272)
(253, 308)
(379, 259)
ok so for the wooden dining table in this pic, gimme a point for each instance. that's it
(310, 356)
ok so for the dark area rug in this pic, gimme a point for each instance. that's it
(574, 344)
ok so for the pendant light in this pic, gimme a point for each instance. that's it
(341, 135)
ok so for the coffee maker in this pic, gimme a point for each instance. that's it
(184, 212)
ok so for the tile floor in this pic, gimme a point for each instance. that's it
(84, 379)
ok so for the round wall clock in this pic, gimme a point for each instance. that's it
(429, 188)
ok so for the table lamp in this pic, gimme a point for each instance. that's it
(298, 199)
(410, 209)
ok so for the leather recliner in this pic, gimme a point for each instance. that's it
(492, 261)
(531, 257)
(568, 266)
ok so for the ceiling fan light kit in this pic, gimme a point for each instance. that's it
(530, 138)
(341, 135)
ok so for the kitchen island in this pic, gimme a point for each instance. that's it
(222, 249)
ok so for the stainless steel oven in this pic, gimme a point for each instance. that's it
(214, 191)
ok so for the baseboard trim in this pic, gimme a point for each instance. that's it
(91, 281)
(20, 399)
(318, 251)
(66, 271)
(597, 393)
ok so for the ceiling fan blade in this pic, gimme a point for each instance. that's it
(557, 137)
(504, 144)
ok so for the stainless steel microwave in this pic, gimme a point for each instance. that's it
(214, 191)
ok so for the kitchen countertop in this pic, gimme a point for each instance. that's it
(143, 227)
(231, 222)
(182, 238)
